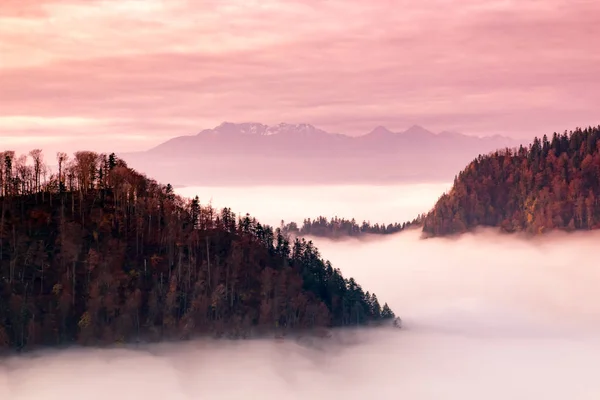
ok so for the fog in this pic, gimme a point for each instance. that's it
(486, 316)
(271, 204)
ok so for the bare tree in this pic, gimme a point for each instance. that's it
(62, 159)
(8, 171)
(23, 174)
(38, 159)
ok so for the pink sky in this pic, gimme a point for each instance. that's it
(127, 74)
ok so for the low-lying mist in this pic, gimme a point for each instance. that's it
(486, 316)
(270, 204)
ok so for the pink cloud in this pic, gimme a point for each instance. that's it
(159, 69)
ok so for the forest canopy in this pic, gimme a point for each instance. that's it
(96, 253)
(552, 184)
(340, 227)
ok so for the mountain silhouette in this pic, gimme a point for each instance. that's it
(255, 153)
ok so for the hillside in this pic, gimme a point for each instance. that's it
(552, 184)
(98, 254)
(252, 153)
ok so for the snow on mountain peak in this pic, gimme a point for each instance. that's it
(286, 128)
(247, 128)
(252, 128)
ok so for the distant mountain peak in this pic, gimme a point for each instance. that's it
(418, 130)
(284, 127)
(231, 128)
(294, 126)
(255, 128)
(381, 130)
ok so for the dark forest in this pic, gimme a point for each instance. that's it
(340, 227)
(97, 254)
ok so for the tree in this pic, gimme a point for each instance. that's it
(375, 308)
(85, 169)
(38, 159)
(61, 158)
(386, 312)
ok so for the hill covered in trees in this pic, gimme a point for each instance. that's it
(552, 184)
(340, 227)
(97, 253)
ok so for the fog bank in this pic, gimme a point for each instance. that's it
(271, 204)
(486, 316)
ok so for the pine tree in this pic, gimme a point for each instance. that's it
(386, 312)
(375, 307)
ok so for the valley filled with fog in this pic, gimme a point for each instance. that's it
(271, 204)
(486, 316)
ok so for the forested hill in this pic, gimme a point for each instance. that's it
(97, 254)
(341, 227)
(553, 184)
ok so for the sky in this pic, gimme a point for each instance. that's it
(128, 74)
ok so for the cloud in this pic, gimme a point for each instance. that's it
(482, 67)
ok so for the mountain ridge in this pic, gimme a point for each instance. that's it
(260, 129)
(302, 140)
(256, 153)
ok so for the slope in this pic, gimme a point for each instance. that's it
(552, 184)
(99, 254)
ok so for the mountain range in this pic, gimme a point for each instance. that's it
(255, 153)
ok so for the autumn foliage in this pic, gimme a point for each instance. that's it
(96, 253)
(552, 184)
